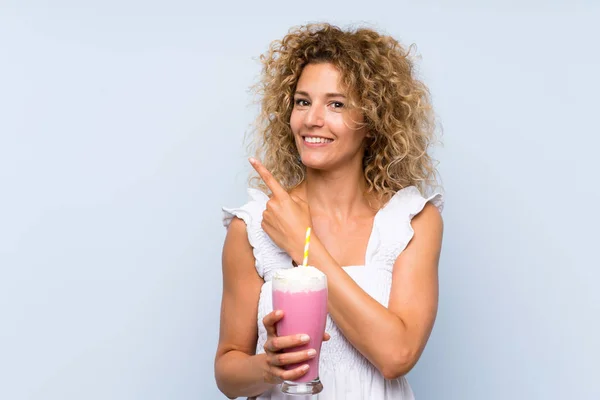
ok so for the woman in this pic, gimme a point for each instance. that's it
(343, 134)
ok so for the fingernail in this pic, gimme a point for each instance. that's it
(252, 160)
(305, 368)
(311, 352)
(304, 338)
(278, 313)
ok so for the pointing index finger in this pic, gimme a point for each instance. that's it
(268, 178)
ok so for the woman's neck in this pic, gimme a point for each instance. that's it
(338, 194)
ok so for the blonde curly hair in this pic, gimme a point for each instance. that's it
(379, 78)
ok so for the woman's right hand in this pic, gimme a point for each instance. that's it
(274, 371)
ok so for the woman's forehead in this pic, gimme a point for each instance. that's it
(321, 79)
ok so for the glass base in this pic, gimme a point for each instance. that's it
(302, 388)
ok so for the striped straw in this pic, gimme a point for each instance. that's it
(306, 243)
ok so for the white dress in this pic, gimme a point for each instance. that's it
(344, 372)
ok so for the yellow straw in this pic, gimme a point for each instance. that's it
(306, 243)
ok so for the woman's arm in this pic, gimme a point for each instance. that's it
(238, 371)
(391, 338)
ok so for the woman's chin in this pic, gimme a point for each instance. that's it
(314, 164)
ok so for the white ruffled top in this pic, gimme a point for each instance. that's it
(344, 372)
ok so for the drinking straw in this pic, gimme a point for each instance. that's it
(306, 243)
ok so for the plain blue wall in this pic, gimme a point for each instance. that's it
(121, 126)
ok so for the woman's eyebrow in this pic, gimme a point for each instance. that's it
(303, 93)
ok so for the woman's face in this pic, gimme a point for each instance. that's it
(328, 135)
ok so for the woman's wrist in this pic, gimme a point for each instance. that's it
(259, 363)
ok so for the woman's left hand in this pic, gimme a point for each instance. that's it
(286, 217)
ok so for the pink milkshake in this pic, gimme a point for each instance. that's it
(301, 293)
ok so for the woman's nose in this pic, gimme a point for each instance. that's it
(315, 116)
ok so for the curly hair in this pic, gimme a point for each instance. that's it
(378, 76)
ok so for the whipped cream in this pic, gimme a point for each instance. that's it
(299, 279)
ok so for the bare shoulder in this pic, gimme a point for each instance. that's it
(237, 231)
(237, 251)
(428, 222)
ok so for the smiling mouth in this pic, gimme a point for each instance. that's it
(316, 139)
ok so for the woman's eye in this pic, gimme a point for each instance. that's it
(337, 104)
(301, 102)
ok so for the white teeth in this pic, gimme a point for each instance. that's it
(317, 140)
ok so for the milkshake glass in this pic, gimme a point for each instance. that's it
(301, 293)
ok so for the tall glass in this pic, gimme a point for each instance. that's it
(301, 293)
